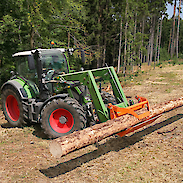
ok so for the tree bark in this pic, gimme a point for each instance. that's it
(113, 54)
(125, 47)
(133, 54)
(120, 40)
(105, 39)
(152, 40)
(125, 50)
(78, 139)
(156, 46)
(173, 32)
(143, 20)
(177, 42)
(169, 44)
(149, 45)
(104, 50)
(98, 37)
(159, 40)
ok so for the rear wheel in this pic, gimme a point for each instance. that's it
(12, 106)
(108, 98)
(61, 117)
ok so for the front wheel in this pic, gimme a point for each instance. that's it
(61, 117)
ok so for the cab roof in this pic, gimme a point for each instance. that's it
(26, 53)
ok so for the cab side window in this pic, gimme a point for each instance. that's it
(30, 75)
(23, 68)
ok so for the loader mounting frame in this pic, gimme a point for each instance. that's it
(90, 78)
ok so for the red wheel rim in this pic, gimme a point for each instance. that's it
(61, 120)
(12, 108)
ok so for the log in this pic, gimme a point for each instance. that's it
(78, 139)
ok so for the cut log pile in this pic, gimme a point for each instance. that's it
(78, 139)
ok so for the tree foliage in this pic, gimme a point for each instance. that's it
(97, 26)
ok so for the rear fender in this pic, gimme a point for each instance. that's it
(22, 92)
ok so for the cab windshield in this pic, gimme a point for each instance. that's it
(54, 60)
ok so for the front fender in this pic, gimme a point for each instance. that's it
(62, 96)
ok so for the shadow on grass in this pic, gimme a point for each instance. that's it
(7, 125)
(115, 144)
(38, 131)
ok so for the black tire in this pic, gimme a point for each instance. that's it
(85, 92)
(12, 106)
(108, 98)
(62, 117)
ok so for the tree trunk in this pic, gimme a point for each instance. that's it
(78, 139)
(134, 39)
(143, 39)
(140, 51)
(114, 54)
(169, 44)
(119, 56)
(152, 40)
(105, 38)
(149, 45)
(159, 40)
(98, 37)
(125, 48)
(129, 54)
(177, 42)
(173, 32)
(104, 50)
(156, 47)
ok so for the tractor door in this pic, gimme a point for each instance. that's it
(27, 74)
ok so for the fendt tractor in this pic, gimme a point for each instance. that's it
(43, 89)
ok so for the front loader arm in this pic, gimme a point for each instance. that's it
(89, 77)
(86, 78)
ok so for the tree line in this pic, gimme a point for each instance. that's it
(121, 33)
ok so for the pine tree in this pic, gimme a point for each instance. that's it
(178, 27)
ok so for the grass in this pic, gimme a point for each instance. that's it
(135, 78)
(139, 76)
(138, 157)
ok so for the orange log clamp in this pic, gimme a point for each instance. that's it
(116, 111)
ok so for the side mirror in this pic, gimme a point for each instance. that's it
(83, 56)
(31, 62)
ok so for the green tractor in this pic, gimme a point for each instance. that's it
(44, 89)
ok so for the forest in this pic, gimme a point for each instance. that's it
(122, 33)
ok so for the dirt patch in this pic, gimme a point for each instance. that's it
(151, 154)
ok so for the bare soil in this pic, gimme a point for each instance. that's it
(151, 154)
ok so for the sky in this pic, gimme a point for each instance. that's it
(170, 10)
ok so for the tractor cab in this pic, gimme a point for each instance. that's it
(53, 59)
(35, 65)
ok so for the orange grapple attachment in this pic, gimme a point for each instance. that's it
(116, 111)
